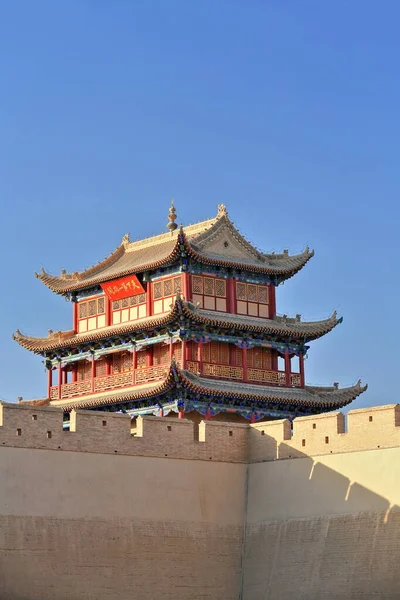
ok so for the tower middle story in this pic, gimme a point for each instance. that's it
(184, 324)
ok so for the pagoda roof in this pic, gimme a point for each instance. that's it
(215, 242)
(280, 326)
(178, 379)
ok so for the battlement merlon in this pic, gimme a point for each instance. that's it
(36, 427)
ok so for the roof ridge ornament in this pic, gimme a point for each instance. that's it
(171, 225)
(222, 211)
(126, 240)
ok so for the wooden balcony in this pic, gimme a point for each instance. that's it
(157, 373)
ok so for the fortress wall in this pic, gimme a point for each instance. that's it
(324, 527)
(368, 428)
(91, 525)
(99, 512)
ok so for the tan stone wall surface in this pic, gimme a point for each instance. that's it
(81, 525)
(324, 527)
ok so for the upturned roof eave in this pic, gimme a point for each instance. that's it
(55, 341)
(73, 282)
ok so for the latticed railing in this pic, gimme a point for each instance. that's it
(261, 376)
(295, 380)
(224, 371)
(78, 388)
(111, 382)
(151, 374)
(236, 373)
(158, 372)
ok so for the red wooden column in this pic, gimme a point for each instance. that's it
(134, 365)
(181, 413)
(301, 364)
(287, 368)
(186, 286)
(108, 310)
(272, 301)
(244, 356)
(59, 369)
(74, 373)
(185, 350)
(252, 418)
(49, 381)
(149, 311)
(108, 365)
(171, 349)
(149, 356)
(75, 316)
(93, 372)
(208, 414)
(231, 291)
(200, 356)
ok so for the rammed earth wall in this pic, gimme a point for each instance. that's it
(96, 513)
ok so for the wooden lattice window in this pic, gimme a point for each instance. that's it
(91, 314)
(84, 370)
(122, 362)
(259, 358)
(216, 353)
(252, 299)
(160, 354)
(209, 292)
(101, 367)
(141, 358)
(177, 352)
(237, 356)
(129, 309)
(164, 292)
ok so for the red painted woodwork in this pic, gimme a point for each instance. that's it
(208, 414)
(134, 365)
(184, 353)
(287, 368)
(74, 373)
(59, 381)
(200, 355)
(49, 381)
(149, 309)
(186, 286)
(93, 373)
(123, 287)
(171, 350)
(108, 311)
(272, 302)
(75, 316)
(244, 360)
(253, 418)
(181, 414)
(301, 363)
(231, 296)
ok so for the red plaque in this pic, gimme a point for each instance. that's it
(122, 288)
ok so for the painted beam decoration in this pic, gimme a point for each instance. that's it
(123, 288)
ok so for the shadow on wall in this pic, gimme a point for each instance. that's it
(315, 527)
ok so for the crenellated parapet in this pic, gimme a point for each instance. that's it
(367, 429)
(25, 426)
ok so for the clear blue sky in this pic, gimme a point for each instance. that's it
(286, 111)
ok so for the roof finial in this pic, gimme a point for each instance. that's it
(171, 225)
(222, 212)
